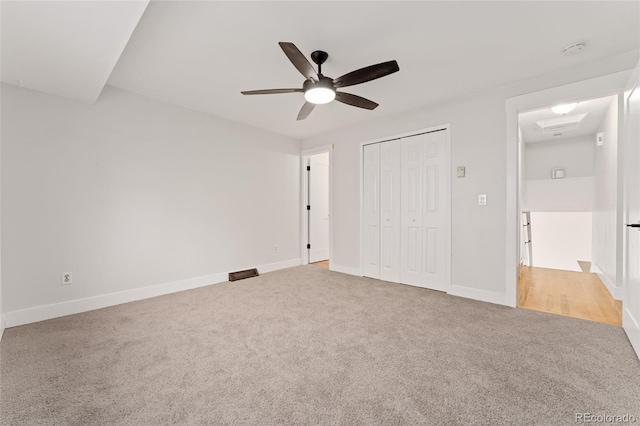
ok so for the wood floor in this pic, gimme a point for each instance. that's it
(572, 294)
(323, 263)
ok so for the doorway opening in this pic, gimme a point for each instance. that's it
(316, 206)
(568, 189)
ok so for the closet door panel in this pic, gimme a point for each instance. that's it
(371, 211)
(435, 211)
(411, 208)
(390, 211)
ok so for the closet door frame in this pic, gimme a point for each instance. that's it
(443, 127)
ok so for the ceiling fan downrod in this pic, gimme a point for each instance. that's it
(319, 57)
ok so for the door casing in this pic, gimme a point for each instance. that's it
(606, 85)
(304, 222)
(318, 199)
(631, 244)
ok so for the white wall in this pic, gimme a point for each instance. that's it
(575, 155)
(560, 239)
(559, 195)
(478, 142)
(605, 222)
(131, 192)
(2, 322)
(575, 192)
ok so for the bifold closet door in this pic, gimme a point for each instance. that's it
(371, 211)
(406, 208)
(390, 211)
(423, 255)
(435, 210)
(411, 250)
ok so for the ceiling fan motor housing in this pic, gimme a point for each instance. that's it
(320, 92)
(324, 82)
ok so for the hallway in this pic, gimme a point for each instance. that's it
(573, 294)
(322, 263)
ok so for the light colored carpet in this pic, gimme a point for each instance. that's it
(309, 346)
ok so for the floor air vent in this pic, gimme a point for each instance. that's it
(241, 275)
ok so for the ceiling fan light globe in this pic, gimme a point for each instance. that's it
(319, 95)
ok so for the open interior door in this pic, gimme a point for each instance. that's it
(319, 207)
(631, 301)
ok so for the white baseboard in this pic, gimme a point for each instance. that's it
(632, 328)
(345, 269)
(1, 326)
(45, 312)
(270, 267)
(478, 294)
(616, 292)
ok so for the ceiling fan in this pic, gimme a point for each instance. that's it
(319, 89)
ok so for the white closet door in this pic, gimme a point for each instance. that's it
(411, 251)
(371, 211)
(390, 211)
(435, 210)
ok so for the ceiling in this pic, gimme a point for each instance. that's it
(65, 48)
(201, 54)
(595, 110)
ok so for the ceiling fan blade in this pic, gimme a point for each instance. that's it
(366, 74)
(299, 61)
(355, 100)
(305, 110)
(271, 91)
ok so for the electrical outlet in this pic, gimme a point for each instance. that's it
(275, 249)
(67, 278)
(482, 199)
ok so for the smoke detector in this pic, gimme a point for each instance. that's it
(573, 49)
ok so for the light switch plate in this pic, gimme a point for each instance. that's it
(482, 199)
(461, 171)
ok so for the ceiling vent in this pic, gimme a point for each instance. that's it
(561, 124)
